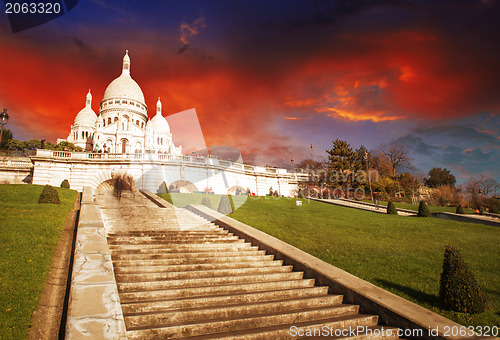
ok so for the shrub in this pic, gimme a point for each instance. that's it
(49, 195)
(65, 184)
(492, 204)
(167, 197)
(460, 209)
(423, 210)
(225, 206)
(459, 290)
(391, 209)
(206, 202)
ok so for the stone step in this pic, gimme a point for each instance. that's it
(185, 252)
(143, 233)
(224, 300)
(184, 247)
(211, 291)
(164, 254)
(145, 277)
(213, 281)
(156, 260)
(246, 310)
(162, 238)
(175, 240)
(224, 325)
(354, 328)
(193, 267)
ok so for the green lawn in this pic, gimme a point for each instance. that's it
(181, 200)
(401, 254)
(28, 235)
(432, 208)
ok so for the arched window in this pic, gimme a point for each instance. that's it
(116, 118)
(137, 122)
(109, 120)
(83, 134)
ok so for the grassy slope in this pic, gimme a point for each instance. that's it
(401, 254)
(28, 235)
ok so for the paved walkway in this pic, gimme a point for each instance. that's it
(362, 206)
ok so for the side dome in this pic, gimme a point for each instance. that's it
(86, 116)
(158, 122)
(124, 86)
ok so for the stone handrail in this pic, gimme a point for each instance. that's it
(16, 163)
(161, 157)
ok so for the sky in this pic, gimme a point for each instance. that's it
(270, 78)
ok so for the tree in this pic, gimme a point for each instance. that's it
(398, 157)
(341, 163)
(423, 210)
(14, 144)
(439, 177)
(459, 290)
(380, 162)
(409, 182)
(6, 137)
(391, 209)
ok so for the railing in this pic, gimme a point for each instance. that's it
(149, 156)
(61, 154)
(15, 163)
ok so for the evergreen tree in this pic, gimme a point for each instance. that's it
(459, 290)
(49, 195)
(206, 202)
(225, 205)
(423, 210)
(391, 209)
(439, 177)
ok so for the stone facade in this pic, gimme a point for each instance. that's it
(151, 171)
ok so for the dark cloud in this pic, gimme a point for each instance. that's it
(466, 150)
(85, 48)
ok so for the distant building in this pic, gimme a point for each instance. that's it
(122, 124)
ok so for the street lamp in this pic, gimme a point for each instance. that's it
(368, 173)
(4, 117)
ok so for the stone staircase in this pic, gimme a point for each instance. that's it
(181, 276)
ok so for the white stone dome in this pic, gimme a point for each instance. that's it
(124, 86)
(159, 124)
(86, 116)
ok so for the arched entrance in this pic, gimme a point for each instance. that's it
(182, 186)
(236, 190)
(124, 145)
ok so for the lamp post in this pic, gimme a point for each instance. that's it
(4, 117)
(368, 173)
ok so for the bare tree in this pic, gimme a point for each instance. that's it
(397, 155)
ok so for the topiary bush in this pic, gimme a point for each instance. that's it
(206, 202)
(459, 290)
(225, 206)
(49, 195)
(391, 209)
(423, 210)
(460, 209)
(65, 184)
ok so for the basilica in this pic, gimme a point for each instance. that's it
(122, 124)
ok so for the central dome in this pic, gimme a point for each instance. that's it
(124, 86)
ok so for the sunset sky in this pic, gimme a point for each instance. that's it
(270, 78)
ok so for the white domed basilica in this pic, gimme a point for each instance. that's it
(122, 124)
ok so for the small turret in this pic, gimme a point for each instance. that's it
(126, 63)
